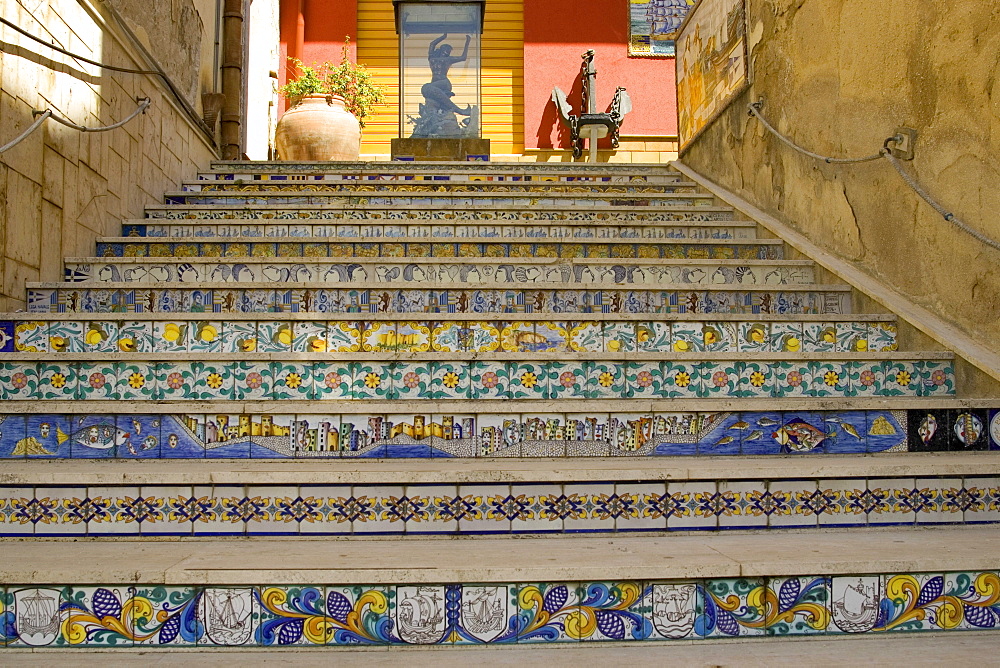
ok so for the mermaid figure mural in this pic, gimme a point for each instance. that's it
(439, 115)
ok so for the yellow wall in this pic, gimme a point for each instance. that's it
(502, 73)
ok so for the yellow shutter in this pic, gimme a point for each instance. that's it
(502, 73)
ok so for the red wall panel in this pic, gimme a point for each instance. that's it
(556, 33)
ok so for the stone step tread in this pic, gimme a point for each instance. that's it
(263, 561)
(463, 317)
(21, 473)
(847, 651)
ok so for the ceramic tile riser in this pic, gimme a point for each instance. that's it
(604, 360)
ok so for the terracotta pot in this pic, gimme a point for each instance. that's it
(318, 127)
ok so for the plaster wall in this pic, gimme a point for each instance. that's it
(838, 77)
(60, 188)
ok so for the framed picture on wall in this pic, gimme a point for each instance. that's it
(711, 64)
(654, 24)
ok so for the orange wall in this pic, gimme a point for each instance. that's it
(556, 33)
(313, 31)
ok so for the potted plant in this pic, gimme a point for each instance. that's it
(329, 106)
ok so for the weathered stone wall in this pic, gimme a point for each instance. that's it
(60, 188)
(838, 76)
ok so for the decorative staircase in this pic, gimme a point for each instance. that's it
(294, 380)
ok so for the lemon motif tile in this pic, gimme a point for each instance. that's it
(239, 336)
(754, 337)
(309, 337)
(274, 337)
(101, 337)
(205, 336)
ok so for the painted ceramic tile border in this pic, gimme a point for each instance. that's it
(704, 299)
(476, 509)
(452, 270)
(478, 246)
(39, 615)
(409, 435)
(229, 381)
(715, 30)
(382, 211)
(654, 25)
(422, 335)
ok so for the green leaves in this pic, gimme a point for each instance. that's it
(347, 79)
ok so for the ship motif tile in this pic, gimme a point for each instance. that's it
(674, 609)
(39, 614)
(230, 615)
(486, 612)
(420, 614)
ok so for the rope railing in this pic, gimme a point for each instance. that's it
(48, 113)
(754, 109)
